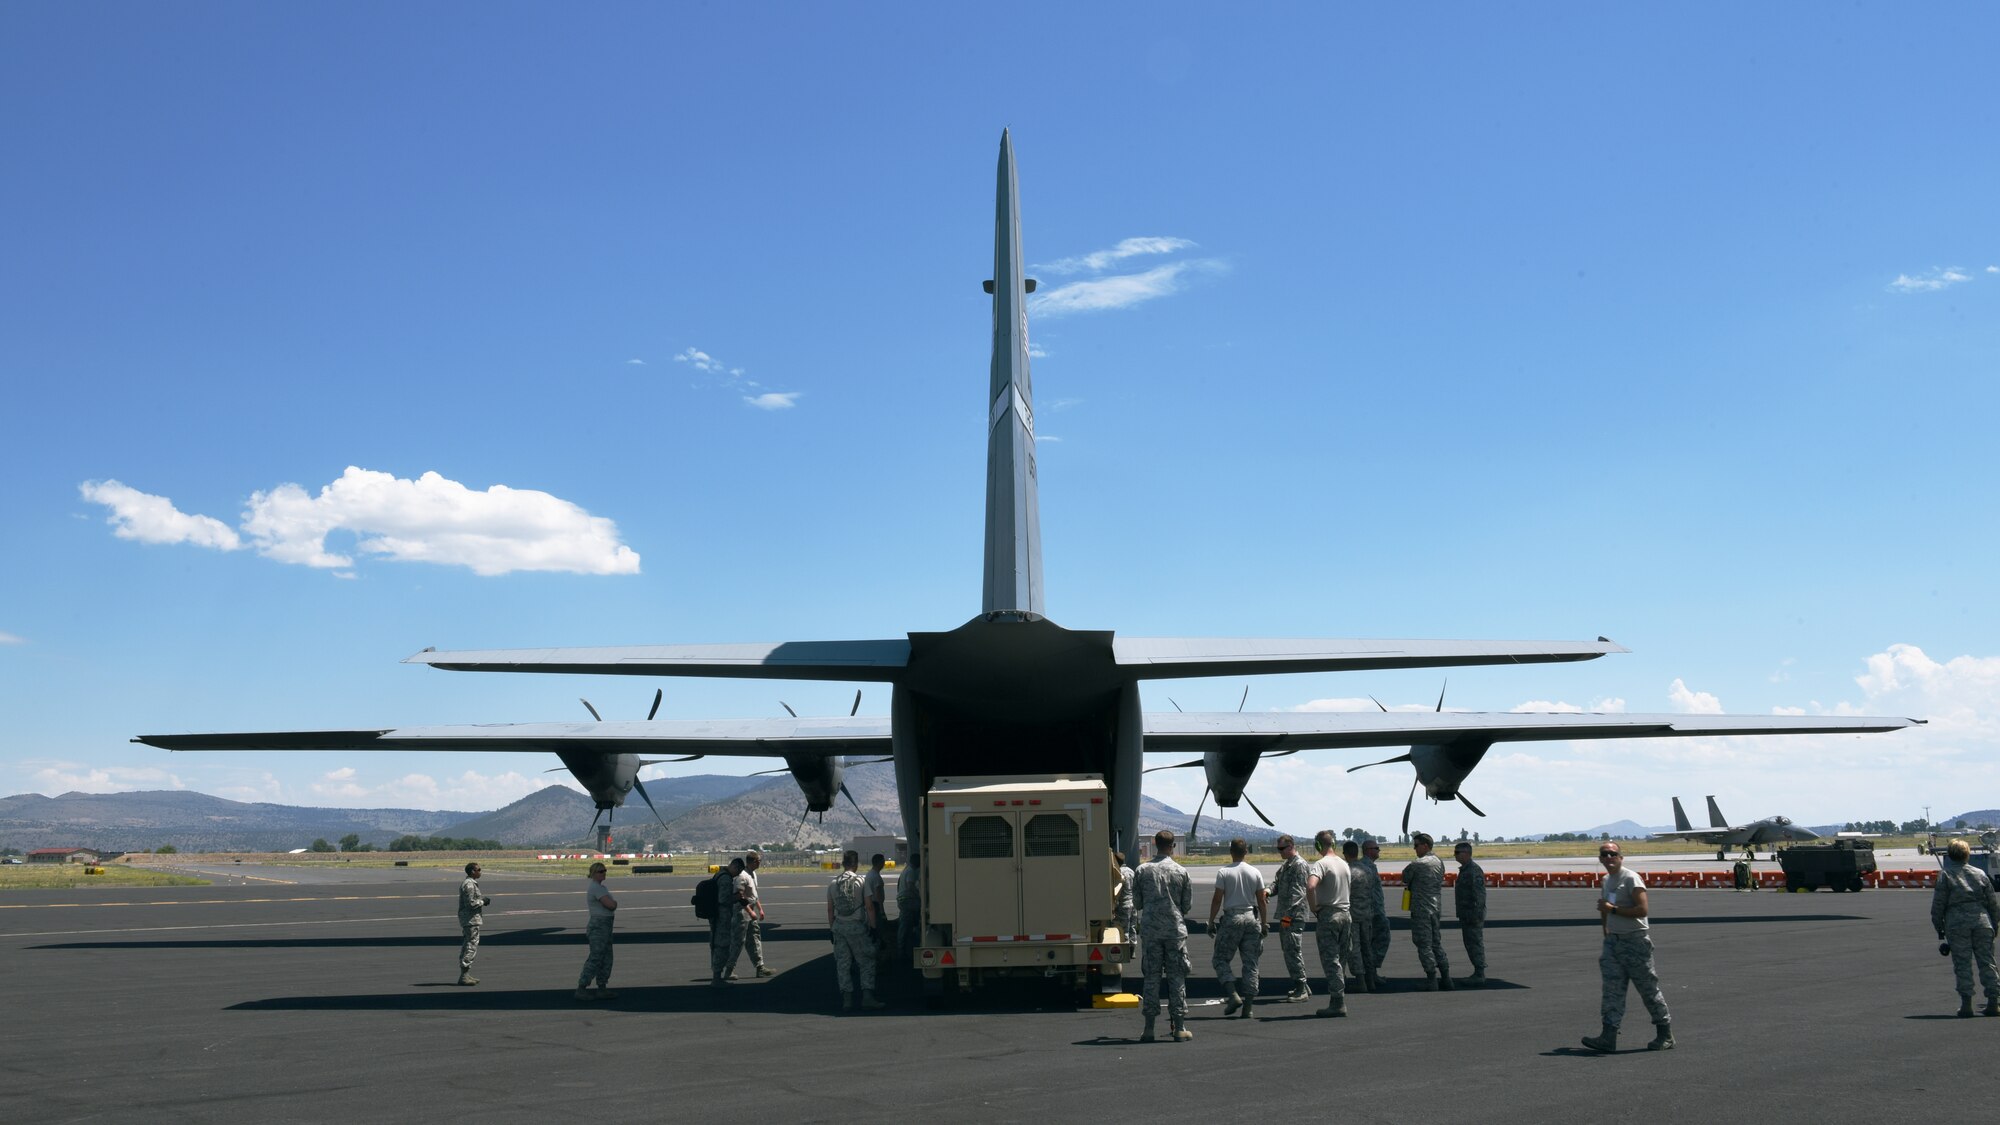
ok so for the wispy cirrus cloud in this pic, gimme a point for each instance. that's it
(1933, 280)
(1097, 261)
(430, 519)
(11, 639)
(753, 392)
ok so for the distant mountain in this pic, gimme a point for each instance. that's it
(557, 815)
(195, 822)
(1155, 815)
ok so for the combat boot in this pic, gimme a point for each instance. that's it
(766, 971)
(1180, 1033)
(1335, 1007)
(1300, 993)
(847, 1001)
(1477, 979)
(1146, 1036)
(1663, 1037)
(1374, 982)
(1232, 1002)
(1605, 1041)
(1992, 1007)
(585, 994)
(1444, 980)
(868, 1000)
(1964, 1006)
(1430, 982)
(1249, 1002)
(467, 978)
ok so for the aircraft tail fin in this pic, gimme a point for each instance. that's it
(1013, 520)
(1681, 817)
(1715, 818)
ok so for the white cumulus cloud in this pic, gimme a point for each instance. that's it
(11, 639)
(154, 519)
(773, 400)
(75, 777)
(470, 791)
(1692, 702)
(431, 519)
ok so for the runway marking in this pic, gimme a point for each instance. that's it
(296, 898)
(489, 934)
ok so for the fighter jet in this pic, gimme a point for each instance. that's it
(1770, 830)
(1009, 691)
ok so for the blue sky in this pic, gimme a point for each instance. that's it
(329, 332)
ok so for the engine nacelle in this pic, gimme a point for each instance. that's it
(818, 778)
(1229, 774)
(1442, 768)
(608, 778)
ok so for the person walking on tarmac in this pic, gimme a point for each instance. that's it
(753, 914)
(472, 904)
(1965, 913)
(1236, 914)
(1329, 888)
(1424, 876)
(1470, 899)
(725, 930)
(1628, 955)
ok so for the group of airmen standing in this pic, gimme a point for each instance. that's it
(1340, 893)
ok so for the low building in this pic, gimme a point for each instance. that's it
(62, 855)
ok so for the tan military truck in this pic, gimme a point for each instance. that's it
(1019, 882)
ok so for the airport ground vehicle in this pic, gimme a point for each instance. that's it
(1018, 882)
(1837, 865)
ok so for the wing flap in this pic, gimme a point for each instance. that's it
(714, 737)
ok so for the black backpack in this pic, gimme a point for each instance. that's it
(703, 899)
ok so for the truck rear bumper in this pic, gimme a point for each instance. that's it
(1021, 952)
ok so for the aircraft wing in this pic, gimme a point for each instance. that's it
(1269, 731)
(818, 736)
(1705, 835)
(868, 661)
(1154, 658)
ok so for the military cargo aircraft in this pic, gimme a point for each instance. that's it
(1010, 691)
(1720, 833)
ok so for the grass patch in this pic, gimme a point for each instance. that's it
(41, 876)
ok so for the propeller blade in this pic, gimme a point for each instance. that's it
(868, 761)
(1411, 800)
(641, 787)
(1177, 707)
(1378, 703)
(1196, 822)
(658, 694)
(856, 709)
(768, 773)
(857, 806)
(1469, 805)
(1260, 812)
(664, 761)
(800, 826)
(1441, 688)
(1175, 766)
(592, 710)
(788, 709)
(1383, 762)
(1244, 699)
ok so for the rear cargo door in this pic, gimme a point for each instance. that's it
(1052, 892)
(988, 884)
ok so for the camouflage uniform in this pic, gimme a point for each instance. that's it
(1288, 902)
(1162, 891)
(853, 957)
(1125, 913)
(597, 966)
(751, 940)
(1425, 879)
(1240, 933)
(1471, 896)
(471, 916)
(1628, 957)
(725, 942)
(1371, 920)
(1333, 923)
(1963, 911)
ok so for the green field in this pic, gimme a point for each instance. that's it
(44, 875)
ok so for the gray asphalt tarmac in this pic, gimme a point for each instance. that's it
(327, 995)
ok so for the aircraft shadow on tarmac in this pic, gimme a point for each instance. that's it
(1676, 920)
(539, 936)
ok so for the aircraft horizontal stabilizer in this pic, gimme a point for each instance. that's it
(1153, 658)
(790, 660)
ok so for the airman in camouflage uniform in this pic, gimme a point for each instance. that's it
(850, 915)
(725, 935)
(472, 904)
(1964, 912)
(1425, 879)
(1288, 898)
(1627, 958)
(752, 919)
(909, 908)
(597, 967)
(1371, 915)
(1163, 894)
(1470, 895)
(1125, 913)
(1329, 887)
